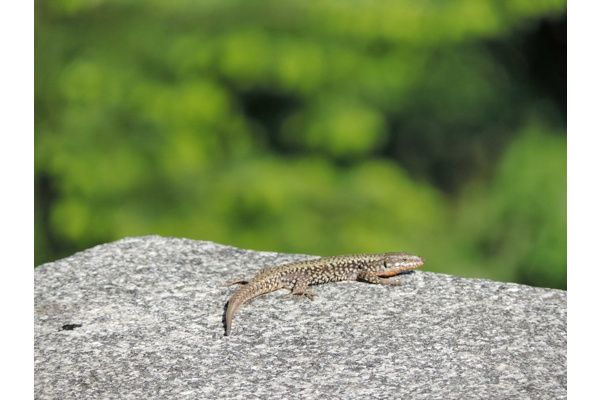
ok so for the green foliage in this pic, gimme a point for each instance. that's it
(337, 127)
(517, 225)
(528, 210)
(317, 127)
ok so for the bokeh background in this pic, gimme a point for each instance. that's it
(435, 127)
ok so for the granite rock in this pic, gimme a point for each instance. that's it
(141, 318)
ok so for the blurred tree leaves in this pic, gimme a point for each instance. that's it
(527, 218)
(316, 127)
(336, 127)
(517, 224)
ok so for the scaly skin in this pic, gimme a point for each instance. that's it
(298, 276)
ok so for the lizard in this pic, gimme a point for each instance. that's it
(298, 276)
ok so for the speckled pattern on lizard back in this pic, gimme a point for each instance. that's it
(298, 276)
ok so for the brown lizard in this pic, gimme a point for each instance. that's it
(297, 276)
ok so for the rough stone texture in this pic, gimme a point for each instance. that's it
(150, 310)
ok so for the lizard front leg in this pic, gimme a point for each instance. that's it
(370, 277)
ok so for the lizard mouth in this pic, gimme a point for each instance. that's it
(398, 270)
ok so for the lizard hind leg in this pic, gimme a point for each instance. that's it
(301, 289)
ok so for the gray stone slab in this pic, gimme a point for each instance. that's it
(150, 313)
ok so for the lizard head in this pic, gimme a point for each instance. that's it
(396, 263)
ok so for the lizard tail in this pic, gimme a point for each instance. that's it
(239, 297)
(232, 306)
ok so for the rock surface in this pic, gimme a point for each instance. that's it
(141, 318)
